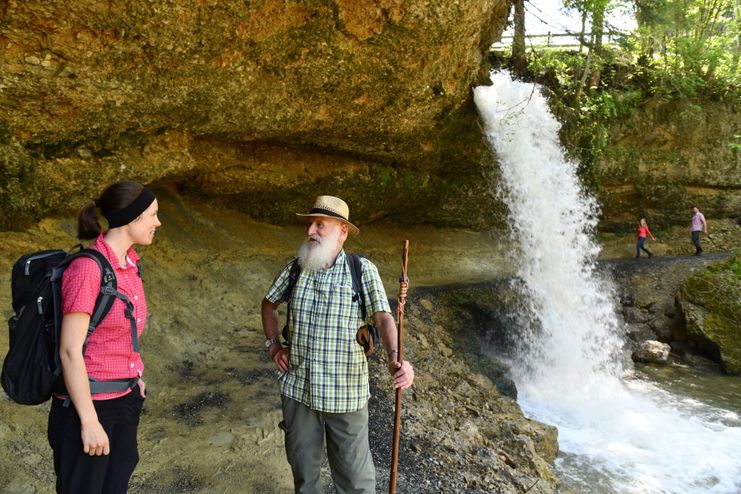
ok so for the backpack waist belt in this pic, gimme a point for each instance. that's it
(114, 386)
(98, 387)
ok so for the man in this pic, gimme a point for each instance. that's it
(697, 225)
(324, 371)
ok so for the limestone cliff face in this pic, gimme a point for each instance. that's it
(668, 156)
(257, 102)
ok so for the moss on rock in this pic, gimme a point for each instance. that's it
(711, 304)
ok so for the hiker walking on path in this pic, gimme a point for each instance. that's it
(641, 238)
(323, 370)
(697, 225)
(93, 434)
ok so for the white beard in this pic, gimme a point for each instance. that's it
(319, 254)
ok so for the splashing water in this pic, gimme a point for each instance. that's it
(616, 435)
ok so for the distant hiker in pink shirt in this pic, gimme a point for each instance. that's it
(697, 225)
(641, 237)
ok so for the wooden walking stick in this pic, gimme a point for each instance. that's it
(400, 357)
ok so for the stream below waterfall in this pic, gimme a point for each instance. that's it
(621, 430)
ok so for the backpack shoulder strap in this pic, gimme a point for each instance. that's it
(293, 275)
(356, 271)
(108, 283)
(107, 295)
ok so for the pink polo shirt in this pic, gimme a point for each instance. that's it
(109, 353)
(697, 220)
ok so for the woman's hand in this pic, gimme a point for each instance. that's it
(142, 388)
(94, 439)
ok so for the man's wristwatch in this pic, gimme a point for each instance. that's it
(270, 342)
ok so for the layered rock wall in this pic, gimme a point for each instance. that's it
(255, 101)
(667, 156)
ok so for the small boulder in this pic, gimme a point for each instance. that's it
(652, 351)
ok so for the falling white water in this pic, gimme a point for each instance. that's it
(616, 435)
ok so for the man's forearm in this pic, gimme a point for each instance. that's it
(270, 319)
(389, 336)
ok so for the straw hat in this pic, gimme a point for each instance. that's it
(332, 207)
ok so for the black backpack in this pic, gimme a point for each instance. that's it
(32, 368)
(367, 335)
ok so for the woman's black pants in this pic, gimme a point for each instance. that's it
(80, 473)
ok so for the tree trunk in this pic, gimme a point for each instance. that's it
(737, 52)
(519, 63)
(583, 79)
(598, 27)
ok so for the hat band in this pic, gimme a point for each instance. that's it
(132, 211)
(327, 212)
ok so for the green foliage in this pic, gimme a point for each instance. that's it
(586, 115)
(691, 45)
(684, 51)
(736, 146)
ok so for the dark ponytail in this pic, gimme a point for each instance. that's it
(88, 226)
(114, 198)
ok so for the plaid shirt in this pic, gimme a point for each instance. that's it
(109, 354)
(328, 370)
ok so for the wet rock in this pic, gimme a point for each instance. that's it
(670, 311)
(639, 332)
(652, 351)
(636, 315)
(627, 300)
(711, 308)
(663, 327)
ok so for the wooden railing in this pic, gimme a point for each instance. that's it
(609, 38)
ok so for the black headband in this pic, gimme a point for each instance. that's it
(132, 211)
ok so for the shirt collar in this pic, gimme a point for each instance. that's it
(132, 258)
(340, 259)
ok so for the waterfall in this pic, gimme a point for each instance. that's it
(616, 434)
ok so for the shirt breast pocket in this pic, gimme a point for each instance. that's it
(342, 308)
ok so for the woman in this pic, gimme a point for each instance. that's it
(93, 435)
(641, 237)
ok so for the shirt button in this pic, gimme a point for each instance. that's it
(132, 365)
(138, 319)
(136, 297)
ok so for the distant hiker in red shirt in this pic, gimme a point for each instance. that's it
(93, 421)
(641, 237)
